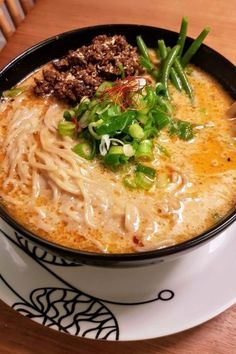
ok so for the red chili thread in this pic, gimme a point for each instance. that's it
(75, 121)
(121, 93)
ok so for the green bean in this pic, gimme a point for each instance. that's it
(162, 49)
(145, 59)
(182, 34)
(147, 64)
(173, 75)
(175, 79)
(169, 61)
(183, 78)
(142, 47)
(155, 74)
(160, 89)
(194, 47)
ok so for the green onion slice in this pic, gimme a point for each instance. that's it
(163, 150)
(103, 87)
(144, 150)
(161, 118)
(183, 129)
(136, 131)
(128, 150)
(117, 124)
(148, 171)
(93, 125)
(129, 182)
(85, 150)
(143, 181)
(14, 91)
(67, 116)
(67, 129)
(115, 156)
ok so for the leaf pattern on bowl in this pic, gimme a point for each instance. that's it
(69, 311)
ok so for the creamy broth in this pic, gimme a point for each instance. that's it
(81, 204)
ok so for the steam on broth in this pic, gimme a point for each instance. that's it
(66, 197)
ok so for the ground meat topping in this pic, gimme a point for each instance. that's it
(80, 72)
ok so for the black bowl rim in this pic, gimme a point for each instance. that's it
(107, 258)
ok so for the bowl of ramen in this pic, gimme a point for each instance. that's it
(118, 144)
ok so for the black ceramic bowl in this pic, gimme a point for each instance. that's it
(206, 58)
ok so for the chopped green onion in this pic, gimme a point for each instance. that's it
(144, 150)
(143, 181)
(161, 119)
(117, 124)
(67, 116)
(103, 107)
(103, 87)
(164, 105)
(113, 110)
(136, 131)
(84, 120)
(163, 150)
(67, 129)
(115, 159)
(183, 129)
(14, 92)
(148, 171)
(116, 150)
(92, 110)
(139, 180)
(115, 156)
(85, 99)
(85, 150)
(142, 117)
(150, 97)
(82, 107)
(95, 125)
(150, 132)
(146, 101)
(77, 111)
(129, 182)
(128, 150)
